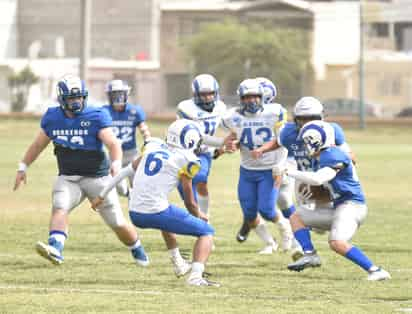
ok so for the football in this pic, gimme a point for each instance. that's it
(318, 193)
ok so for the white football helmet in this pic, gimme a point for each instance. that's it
(205, 83)
(308, 106)
(117, 92)
(317, 135)
(70, 86)
(250, 87)
(307, 109)
(184, 134)
(269, 90)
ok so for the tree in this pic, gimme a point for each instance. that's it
(20, 84)
(232, 52)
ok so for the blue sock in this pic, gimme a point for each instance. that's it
(288, 211)
(359, 258)
(57, 238)
(303, 237)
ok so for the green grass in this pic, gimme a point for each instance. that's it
(99, 276)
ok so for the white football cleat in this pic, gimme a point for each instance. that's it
(379, 274)
(49, 252)
(197, 280)
(269, 249)
(181, 267)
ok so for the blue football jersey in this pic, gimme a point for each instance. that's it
(125, 123)
(288, 138)
(345, 186)
(78, 149)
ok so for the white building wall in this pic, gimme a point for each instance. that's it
(335, 35)
(8, 28)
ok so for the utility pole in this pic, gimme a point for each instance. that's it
(85, 24)
(362, 123)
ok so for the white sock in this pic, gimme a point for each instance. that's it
(263, 233)
(283, 223)
(136, 245)
(198, 268)
(373, 268)
(175, 254)
(203, 202)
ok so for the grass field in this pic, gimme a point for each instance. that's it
(99, 276)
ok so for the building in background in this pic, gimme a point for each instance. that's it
(143, 43)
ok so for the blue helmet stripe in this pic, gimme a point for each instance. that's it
(63, 87)
(196, 86)
(317, 128)
(186, 129)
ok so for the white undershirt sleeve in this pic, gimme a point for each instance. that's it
(313, 178)
(345, 147)
(123, 173)
(213, 140)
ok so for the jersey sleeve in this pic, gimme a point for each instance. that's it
(45, 123)
(282, 138)
(183, 112)
(282, 119)
(140, 115)
(104, 119)
(334, 159)
(190, 169)
(339, 134)
(227, 119)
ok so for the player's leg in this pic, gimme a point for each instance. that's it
(180, 265)
(199, 184)
(347, 219)
(300, 220)
(248, 199)
(268, 195)
(178, 221)
(200, 181)
(112, 214)
(66, 195)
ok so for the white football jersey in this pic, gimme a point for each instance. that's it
(207, 121)
(158, 174)
(253, 130)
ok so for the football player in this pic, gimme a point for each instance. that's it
(78, 133)
(254, 123)
(332, 168)
(127, 118)
(207, 110)
(284, 201)
(157, 172)
(306, 109)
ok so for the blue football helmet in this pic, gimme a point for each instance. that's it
(118, 93)
(205, 83)
(269, 90)
(71, 86)
(250, 87)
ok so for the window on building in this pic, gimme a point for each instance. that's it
(390, 86)
(379, 29)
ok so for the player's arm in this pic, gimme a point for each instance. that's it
(108, 138)
(189, 198)
(39, 144)
(144, 131)
(317, 178)
(267, 147)
(347, 149)
(125, 172)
